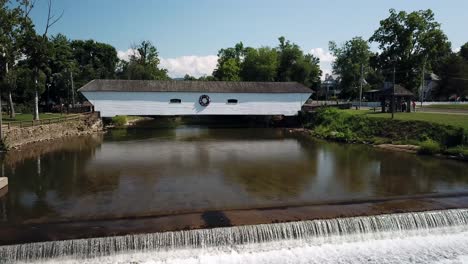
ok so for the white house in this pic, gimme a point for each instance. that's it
(132, 97)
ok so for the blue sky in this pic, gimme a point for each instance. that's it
(188, 34)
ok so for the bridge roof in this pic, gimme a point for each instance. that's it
(193, 86)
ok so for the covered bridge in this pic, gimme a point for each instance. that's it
(136, 97)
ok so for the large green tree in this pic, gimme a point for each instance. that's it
(229, 63)
(63, 67)
(94, 60)
(259, 64)
(410, 42)
(294, 65)
(454, 75)
(143, 64)
(351, 64)
(11, 33)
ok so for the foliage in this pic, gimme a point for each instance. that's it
(294, 65)
(259, 64)
(464, 51)
(429, 147)
(94, 60)
(143, 64)
(352, 59)
(460, 151)
(453, 71)
(344, 126)
(285, 63)
(229, 63)
(457, 121)
(409, 40)
(119, 121)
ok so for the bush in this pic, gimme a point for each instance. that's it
(429, 147)
(331, 123)
(119, 120)
(460, 151)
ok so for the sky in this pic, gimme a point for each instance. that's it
(188, 34)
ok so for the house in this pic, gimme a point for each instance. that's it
(174, 98)
(431, 82)
(329, 86)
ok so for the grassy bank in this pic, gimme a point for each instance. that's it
(434, 133)
(448, 106)
(442, 119)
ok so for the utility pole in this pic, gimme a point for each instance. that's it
(1, 112)
(393, 93)
(421, 98)
(72, 88)
(360, 88)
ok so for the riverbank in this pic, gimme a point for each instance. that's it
(17, 137)
(425, 135)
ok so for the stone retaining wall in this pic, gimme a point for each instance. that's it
(17, 137)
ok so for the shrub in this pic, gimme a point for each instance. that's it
(429, 147)
(458, 151)
(119, 120)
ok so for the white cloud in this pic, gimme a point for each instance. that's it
(326, 60)
(125, 55)
(177, 67)
(323, 55)
(193, 65)
(456, 49)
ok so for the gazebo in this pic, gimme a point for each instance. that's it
(400, 96)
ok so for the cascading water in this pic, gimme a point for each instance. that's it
(354, 239)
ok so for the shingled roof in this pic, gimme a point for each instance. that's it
(193, 86)
(399, 91)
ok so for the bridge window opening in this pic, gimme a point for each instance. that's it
(175, 101)
(232, 101)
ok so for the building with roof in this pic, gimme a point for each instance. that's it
(398, 94)
(174, 98)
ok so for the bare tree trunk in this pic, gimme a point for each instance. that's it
(11, 105)
(36, 99)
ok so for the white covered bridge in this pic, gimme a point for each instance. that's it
(175, 98)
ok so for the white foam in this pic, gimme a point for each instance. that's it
(441, 245)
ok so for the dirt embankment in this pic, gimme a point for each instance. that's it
(17, 137)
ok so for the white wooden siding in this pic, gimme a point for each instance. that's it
(158, 103)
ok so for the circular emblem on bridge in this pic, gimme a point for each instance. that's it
(204, 100)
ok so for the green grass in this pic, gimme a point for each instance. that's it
(443, 119)
(429, 147)
(448, 106)
(29, 117)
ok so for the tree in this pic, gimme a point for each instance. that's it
(10, 43)
(37, 48)
(464, 51)
(259, 64)
(410, 42)
(229, 63)
(229, 70)
(352, 60)
(293, 65)
(94, 60)
(454, 74)
(143, 64)
(63, 67)
(189, 78)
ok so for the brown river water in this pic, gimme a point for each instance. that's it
(151, 172)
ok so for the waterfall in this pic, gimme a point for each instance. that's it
(313, 231)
